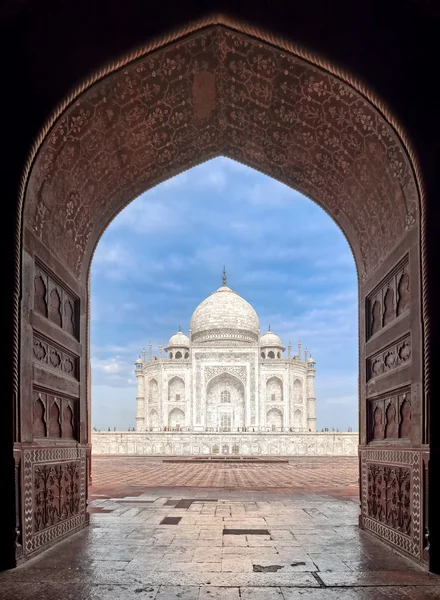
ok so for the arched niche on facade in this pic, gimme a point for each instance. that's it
(297, 390)
(176, 418)
(176, 389)
(298, 418)
(274, 389)
(153, 418)
(274, 419)
(153, 391)
(225, 402)
(223, 89)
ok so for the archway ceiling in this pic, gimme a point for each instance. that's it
(220, 92)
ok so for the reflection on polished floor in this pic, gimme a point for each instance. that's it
(190, 543)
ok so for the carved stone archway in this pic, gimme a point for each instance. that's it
(219, 88)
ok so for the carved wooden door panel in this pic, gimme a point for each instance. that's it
(52, 450)
(392, 453)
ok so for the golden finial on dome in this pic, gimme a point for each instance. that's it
(224, 276)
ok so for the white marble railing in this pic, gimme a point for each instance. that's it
(173, 443)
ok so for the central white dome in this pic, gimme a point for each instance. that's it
(224, 316)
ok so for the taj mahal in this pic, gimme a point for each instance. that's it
(225, 376)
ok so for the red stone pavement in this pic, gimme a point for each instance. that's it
(334, 475)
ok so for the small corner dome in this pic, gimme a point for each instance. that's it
(178, 340)
(311, 360)
(139, 361)
(270, 340)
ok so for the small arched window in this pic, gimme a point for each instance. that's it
(225, 396)
(263, 355)
(186, 354)
(171, 355)
(271, 354)
(178, 355)
(279, 354)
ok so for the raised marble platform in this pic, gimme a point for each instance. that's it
(170, 443)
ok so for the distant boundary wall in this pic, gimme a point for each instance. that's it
(131, 443)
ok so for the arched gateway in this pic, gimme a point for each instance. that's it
(219, 91)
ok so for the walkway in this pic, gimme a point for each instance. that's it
(190, 543)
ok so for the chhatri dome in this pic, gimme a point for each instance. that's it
(270, 340)
(178, 340)
(224, 316)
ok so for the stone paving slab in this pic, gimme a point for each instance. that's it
(312, 550)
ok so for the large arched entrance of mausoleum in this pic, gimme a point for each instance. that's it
(217, 90)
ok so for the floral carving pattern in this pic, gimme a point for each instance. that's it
(220, 92)
(239, 372)
(389, 496)
(46, 353)
(56, 494)
(389, 359)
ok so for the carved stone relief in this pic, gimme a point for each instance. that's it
(54, 416)
(388, 359)
(403, 300)
(389, 496)
(226, 93)
(51, 354)
(389, 416)
(53, 301)
(55, 307)
(390, 299)
(40, 294)
(54, 494)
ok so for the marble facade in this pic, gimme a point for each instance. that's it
(244, 443)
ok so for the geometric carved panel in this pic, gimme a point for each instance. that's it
(390, 299)
(393, 356)
(53, 355)
(53, 301)
(54, 494)
(391, 492)
(54, 416)
(389, 416)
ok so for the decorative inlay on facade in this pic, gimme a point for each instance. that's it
(54, 356)
(194, 444)
(390, 299)
(395, 355)
(239, 372)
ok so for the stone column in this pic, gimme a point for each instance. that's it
(311, 411)
(140, 398)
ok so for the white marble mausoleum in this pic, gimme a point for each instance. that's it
(225, 376)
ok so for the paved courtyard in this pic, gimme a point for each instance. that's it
(255, 535)
(338, 474)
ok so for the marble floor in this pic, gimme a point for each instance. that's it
(193, 543)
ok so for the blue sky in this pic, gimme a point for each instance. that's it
(165, 252)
